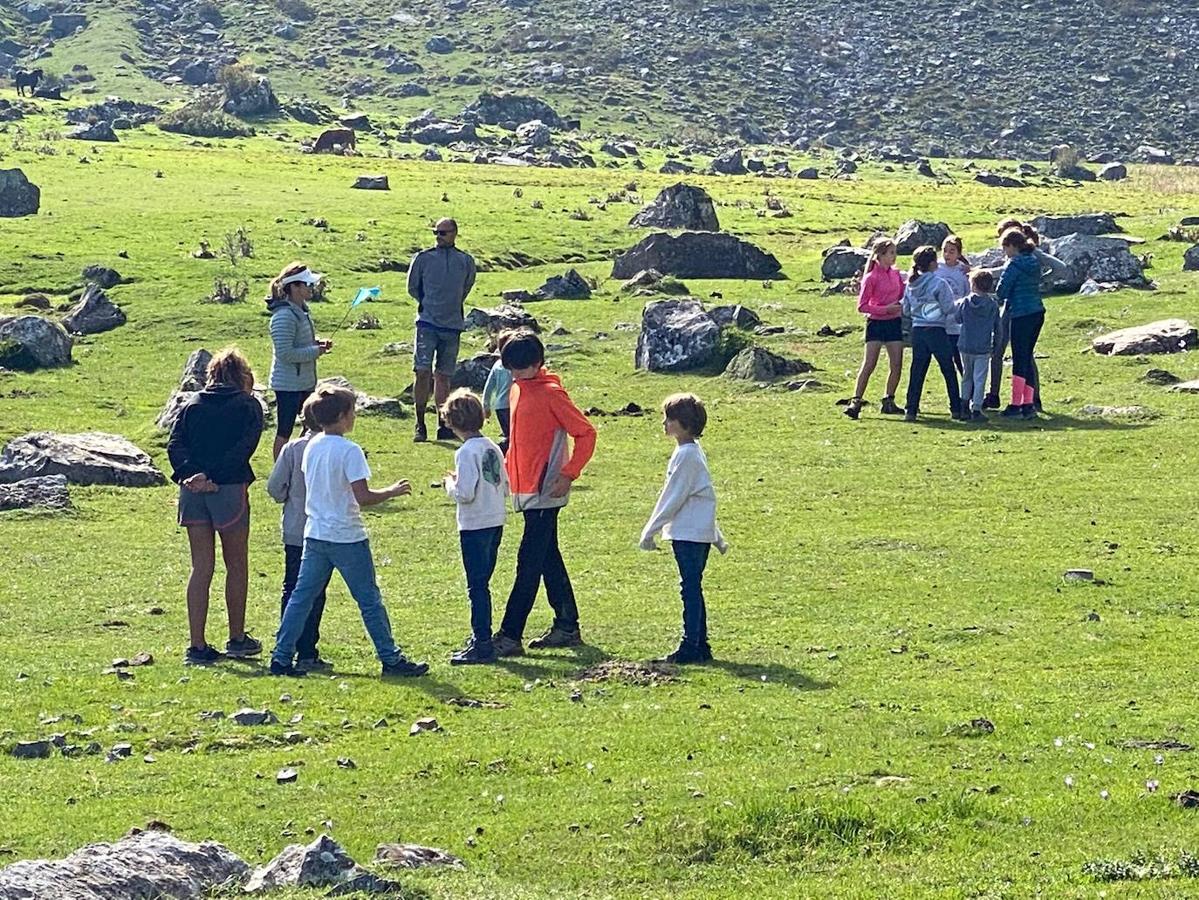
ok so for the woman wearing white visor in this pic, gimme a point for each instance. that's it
(295, 347)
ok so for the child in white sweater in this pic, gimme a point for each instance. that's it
(686, 516)
(479, 485)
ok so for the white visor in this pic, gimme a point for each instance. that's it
(304, 276)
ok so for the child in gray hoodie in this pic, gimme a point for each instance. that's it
(286, 486)
(928, 299)
(978, 313)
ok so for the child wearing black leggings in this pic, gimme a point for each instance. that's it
(1020, 292)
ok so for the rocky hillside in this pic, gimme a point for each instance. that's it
(967, 78)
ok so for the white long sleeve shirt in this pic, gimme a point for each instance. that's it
(479, 484)
(686, 508)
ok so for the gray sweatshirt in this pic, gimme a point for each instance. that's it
(293, 347)
(979, 315)
(286, 486)
(439, 279)
(929, 301)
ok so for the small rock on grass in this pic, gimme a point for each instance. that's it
(425, 724)
(287, 776)
(344, 762)
(414, 856)
(248, 716)
(974, 728)
(32, 750)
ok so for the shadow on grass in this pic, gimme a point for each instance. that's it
(996, 424)
(430, 684)
(562, 664)
(769, 673)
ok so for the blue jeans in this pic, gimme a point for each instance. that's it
(480, 547)
(306, 644)
(692, 557)
(357, 569)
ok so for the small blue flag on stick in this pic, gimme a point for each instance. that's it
(362, 296)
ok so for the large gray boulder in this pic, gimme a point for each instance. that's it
(1086, 223)
(49, 492)
(915, 234)
(195, 376)
(1190, 259)
(568, 286)
(696, 254)
(534, 133)
(730, 163)
(1166, 336)
(93, 131)
(142, 864)
(1114, 171)
(31, 342)
(843, 262)
(323, 863)
(18, 195)
(472, 373)
(93, 313)
(511, 110)
(760, 364)
(1102, 259)
(256, 100)
(504, 317)
(445, 133)
(89, 458)
(682, 206)
(676, 336)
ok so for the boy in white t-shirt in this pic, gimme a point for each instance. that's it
(335, 478)
(479, 485)
(686, 515)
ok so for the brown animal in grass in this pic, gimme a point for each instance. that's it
(333, 139)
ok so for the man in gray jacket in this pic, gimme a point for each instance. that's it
(439, 279)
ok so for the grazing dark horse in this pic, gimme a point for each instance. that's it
(28, 80)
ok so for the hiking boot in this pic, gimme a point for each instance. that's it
(991, 401)
(285, 670)
(506, 646)
(688, 653)
(1013, 411)
(313, 664)
(854, 409)
(977, 416)
(420, 434)
(556, 637)
(475, 653)
(445, 433)
(404, 668)
(202, 656)
(243, 648)
(890, 408)
(1028, 411)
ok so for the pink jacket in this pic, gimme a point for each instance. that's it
(880, 288)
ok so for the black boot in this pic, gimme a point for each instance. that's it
(854, 409)
(890, 407)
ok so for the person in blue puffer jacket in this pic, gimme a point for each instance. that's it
(1020, 292)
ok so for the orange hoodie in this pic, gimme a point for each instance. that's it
(541, 419)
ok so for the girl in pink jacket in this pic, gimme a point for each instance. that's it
(880, 301)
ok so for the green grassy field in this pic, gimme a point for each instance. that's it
(887, 582)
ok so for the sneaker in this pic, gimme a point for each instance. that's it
(314, 664)
(556, 637)
(1013, 411)
(475, 653)
(420, 434)
(445, 433)
(890, 407)
(202, 656)
(1028, 411)
(854, 409)
(243, 648)
(404, 668)
(991, 401)
(688, 653)
(909, 415)
(977, 416)
(506, 646)
(285, 670)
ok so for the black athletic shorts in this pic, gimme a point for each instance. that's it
(885, 330)
(287, 408)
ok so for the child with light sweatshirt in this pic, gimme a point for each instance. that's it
(686, 515)
(929, 301)
(495, 390)
(479, 486)
(978, 314)
(286, 486)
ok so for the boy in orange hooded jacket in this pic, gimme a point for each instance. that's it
(541, 468)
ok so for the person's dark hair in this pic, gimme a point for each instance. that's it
(278, 291)
(523, 349)
(1006, 224)
(1034, 236)
(982, 281)
(463, 410)
(1016, 239)
(688, 410)
(327, 404)
(307, 420)
(922, 261)
(876, 252)
(230, 367)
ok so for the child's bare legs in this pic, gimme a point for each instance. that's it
(201, 540)
(235, 552)
(895, 360)
(869, 363)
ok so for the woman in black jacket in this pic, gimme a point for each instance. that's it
(210, 447)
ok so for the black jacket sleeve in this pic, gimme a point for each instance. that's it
(179, 449)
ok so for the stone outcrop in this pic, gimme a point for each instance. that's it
(89, 458)
(696, 254)
(676, 336)
(18, 195)
(31, 342)
(1166, 336)
(680, 206)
